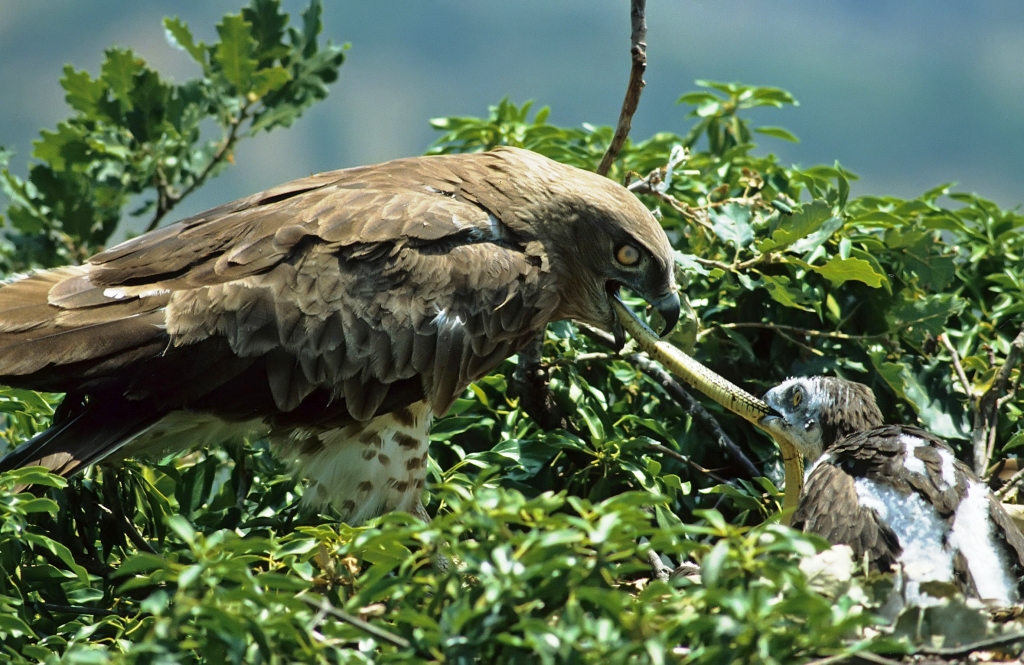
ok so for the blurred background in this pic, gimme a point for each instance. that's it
(906, 94)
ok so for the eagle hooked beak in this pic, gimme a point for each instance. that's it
(668, 306)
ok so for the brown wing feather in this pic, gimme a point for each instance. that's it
(329, 299)
(829, 507)
(346, 282)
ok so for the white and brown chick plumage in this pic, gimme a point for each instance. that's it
(895, 494)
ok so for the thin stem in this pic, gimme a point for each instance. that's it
(681, 396)
(167, 199)
(1014, 480)
(795, 330)
(325, 607)
(668, 452)
(638, 53)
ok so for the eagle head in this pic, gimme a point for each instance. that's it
(599, 238)
(814, 412)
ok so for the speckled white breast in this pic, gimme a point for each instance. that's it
(364, 470)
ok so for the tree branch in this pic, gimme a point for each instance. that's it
(1014, 480)
(985, 407)
(167, 200)
(381, 634)
(796, 331)
(530, 378)
(677, 392)
(660, 571)
(82, 609)
(694, 408)
(638, 53)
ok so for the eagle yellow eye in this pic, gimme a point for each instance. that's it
(797, 398)
(627, 255)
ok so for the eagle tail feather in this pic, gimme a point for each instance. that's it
(78, 440)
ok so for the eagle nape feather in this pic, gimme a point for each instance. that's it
(336, 315)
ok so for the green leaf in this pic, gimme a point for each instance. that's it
(928, 408)
(839, 270)
(800, 224)
(234, 52)
(732, 224)
(84, 94)
(178, 34)
(61, 149)
(266, 81)
(1016, 441)
(268, 26)
(779, 289)
(181, 526)
(778, 132)
(713, 562)
(119, 70)
(312, 25)
(918, 317)
(142, 562)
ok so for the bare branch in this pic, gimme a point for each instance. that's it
(701, 415)
(660, 571)
(381, 634)
(678, 393)
(796, 331)
(944, 339)
(985, 407)
(1014, 480)
(167, 199)
(668, 452)
(638, 53)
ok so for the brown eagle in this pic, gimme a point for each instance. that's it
(336, 314)
(895, 494)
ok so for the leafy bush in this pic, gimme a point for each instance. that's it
(541, 541)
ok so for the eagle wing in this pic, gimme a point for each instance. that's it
(337, 297)
(830, 507)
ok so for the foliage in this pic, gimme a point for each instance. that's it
(538, 548)
(135, 134)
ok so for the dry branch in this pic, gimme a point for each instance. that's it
(638, 53)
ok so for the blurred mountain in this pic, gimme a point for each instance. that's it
(908, 94)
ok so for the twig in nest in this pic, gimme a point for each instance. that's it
(668, 452)
(660, 571)
(965, 649)
(381, 634)
(678, 393)
(1014, 480)
(638, 53)
(985, 407)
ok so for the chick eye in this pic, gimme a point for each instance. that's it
(797, 398)
(627, 255)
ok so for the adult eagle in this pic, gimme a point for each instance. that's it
(336, 314)
(895, 494)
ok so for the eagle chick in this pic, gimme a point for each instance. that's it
(894, 493)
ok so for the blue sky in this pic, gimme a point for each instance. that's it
(908, 94)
